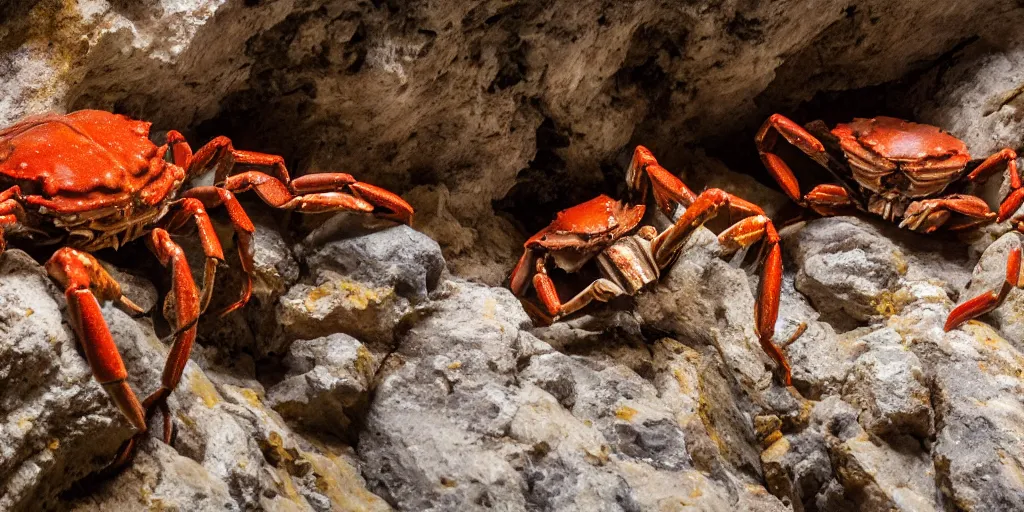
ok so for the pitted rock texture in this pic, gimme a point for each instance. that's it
(379, 368)
(530, 104)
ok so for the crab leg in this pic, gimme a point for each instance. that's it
(668, 189)
(186, 309)
(212, 197)
(11, 212)
(365, 198)
(321, 192)
(796, 135)
(704, 208)
(84, 280)
(991, 299)
(746, 232)
(828, 199)
(927, 215)
(602, 290)
(190, 208)
(518, 279)
(1006, 158)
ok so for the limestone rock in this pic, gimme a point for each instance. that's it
(702, 297)
(888, 384)
(57, 424)
(327, 384)
(475, 410)
(820, 358)
(362, 286)
(875, 475)
(160, 478)
(856, 270)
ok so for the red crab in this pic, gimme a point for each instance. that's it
(898, 170)
(630, 259)
(91, 180)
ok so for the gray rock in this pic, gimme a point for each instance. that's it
(400, 257)
(230, 451)
(327, 385)
(160, 478)
(820, 359)
(857, 270)
(888, 385)
(56, 423)
(989, 274)
(432, 435)
(473, 410)
(362, 286)
(797, 468)
(976, 399)
(875, 475)
(701, 297)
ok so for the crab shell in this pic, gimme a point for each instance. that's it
(892, 155)
(577, 234)
(90, 168)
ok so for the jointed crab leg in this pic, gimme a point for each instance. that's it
(766, 139)
(602, 290)
(186, 312)
(756, 227)
(84, 280)
(320, 192)
(668, 189)
(213, 197)
(991, 299)
(192, 209)
(928, 215)
(707, 205)
(829, 199)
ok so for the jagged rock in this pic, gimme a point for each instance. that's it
(702, 297)
(328, 382)
(990, 274)
(362, 286)
(160, 478)
(977, 400)
(888, 385)
(975, 391)
(478, 411)
(875, 475)
(429, 435)
(716, 429)
(856, 270)
(223, 454)
(797, 468)
(56, 424)
(820, 359)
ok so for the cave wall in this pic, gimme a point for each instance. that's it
(467, 107)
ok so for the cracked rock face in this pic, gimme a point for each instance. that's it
(382, 367)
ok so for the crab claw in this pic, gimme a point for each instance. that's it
(1011, 204)
(928, 215)
(923, 217)
(396, 207)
